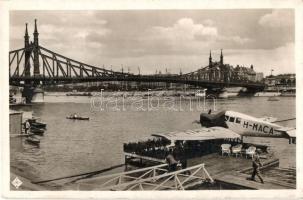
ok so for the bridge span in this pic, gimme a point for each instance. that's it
(36, 65)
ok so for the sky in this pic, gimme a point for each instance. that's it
(164, 39)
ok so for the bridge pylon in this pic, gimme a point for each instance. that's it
(31, 91)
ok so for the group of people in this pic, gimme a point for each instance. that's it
(153, 147)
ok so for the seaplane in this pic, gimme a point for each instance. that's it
(246, 125)
(231, 124)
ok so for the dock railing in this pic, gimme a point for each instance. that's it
(150, 178)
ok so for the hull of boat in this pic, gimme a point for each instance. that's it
(78, 118)
(33, 141)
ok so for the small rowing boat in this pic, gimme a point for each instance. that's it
(77, 118)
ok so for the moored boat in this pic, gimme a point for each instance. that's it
(38, 125)
(33, 140)
(79, 94)
(37, 131)
(200, 93)
(273, 99)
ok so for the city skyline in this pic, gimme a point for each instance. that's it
(166, 39)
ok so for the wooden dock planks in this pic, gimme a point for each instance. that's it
(239, 180)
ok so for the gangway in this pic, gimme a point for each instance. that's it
(150, 178)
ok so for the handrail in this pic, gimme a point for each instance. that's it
(118, 184)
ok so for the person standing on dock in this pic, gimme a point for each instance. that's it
(256, 167)
(27, 127)
(172, 163)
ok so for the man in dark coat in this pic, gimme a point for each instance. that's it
(172, 163)
(256, 164)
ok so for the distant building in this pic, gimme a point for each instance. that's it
(220, 72)
(259, 76)
(282, 80)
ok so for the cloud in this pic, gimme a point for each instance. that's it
(231, 41)
(277, 18)
(153, 41)
(281, 58)
(208, 22)
(186, 37)
(65, 37)
(184, 29)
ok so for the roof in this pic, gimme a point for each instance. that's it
(200, 134)
(15, 112)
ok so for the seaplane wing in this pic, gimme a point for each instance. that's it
(268, 119)
(210, 133)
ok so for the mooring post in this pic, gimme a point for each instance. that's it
(125, 162)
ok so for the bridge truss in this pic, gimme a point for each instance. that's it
(55, 65)
(55, 68)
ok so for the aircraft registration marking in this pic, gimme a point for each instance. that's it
(259, 127)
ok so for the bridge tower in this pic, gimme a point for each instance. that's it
(36, 53)
(31, 90)
(210, 65)
(27, 53)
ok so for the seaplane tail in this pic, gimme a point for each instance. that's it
(290, 132)
(246, 125)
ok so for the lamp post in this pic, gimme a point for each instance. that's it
(148, 90)
(102, 99)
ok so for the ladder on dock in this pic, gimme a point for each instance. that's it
(150, 178)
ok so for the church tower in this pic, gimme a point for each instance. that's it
(35, 50)
(27, 53)
(221, 58)
(210, 60)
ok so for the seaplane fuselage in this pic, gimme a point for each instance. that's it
(242, 124)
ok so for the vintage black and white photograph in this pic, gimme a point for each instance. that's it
(152, 99)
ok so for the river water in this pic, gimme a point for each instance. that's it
(71, 147)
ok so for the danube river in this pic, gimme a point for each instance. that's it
(71, 147)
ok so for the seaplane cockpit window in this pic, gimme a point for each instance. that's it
(231, 119)
(238, 120)
(226, 117)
